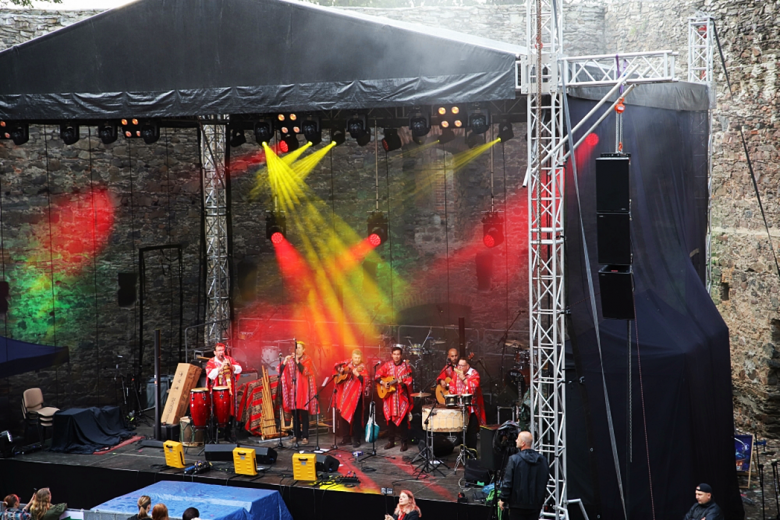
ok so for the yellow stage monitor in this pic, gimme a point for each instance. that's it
(174, 454)
(304, 466)
(244, 461)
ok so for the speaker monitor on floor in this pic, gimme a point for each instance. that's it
(220, 452)
(244, 461)
(327, 464)
(304, 466)
(617, 298)
(266, 455)
(174, 454)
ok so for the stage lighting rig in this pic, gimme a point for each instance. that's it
(377, 228)
(19, 133)
(131, 127)
(391, 141)
(420, 125)
(264, 131)
(474, 139)
(505, 132)
(479, 120)
(107, 131)
(237, 137)
(290, 141)
(449, 116)
(69, 133)
(311, 130)
(275, 226)
(150, 131)
(337, 135)
(358, 128)
(492, 229)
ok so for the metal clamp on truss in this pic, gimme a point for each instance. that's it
(526, 70)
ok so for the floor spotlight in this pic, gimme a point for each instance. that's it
(377, 228)
(275, 226)
(237, 137)
(492, 229)
(391, 140)
(69, 133)
(479, 121)
(311, 130)
(291, 140)
(446, 136)
(19, 133)
(264, 131)
(150, 131)
(337, 136)
(505, 132)
(473, 139)
(107, 132)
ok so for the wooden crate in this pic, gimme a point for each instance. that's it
(186, 379)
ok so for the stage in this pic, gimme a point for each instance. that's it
(88, 480)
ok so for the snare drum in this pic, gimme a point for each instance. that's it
(451, 400)
(464, 400)
(222, 405)
(188, 435)
(200, 407)
(442, 420)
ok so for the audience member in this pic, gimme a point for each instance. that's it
(160, 512)
(190, 513)
(42, 509)
(144, 503)
(12, 510)
(704, 508)
(406, 509)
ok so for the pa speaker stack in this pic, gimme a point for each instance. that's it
(613, 226)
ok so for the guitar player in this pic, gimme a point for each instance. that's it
(446, 375)
(351, 378)
(394, 386)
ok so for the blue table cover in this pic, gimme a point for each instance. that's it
(213, 502)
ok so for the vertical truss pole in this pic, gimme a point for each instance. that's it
(544, 42)
(701, 47)
(212, 156)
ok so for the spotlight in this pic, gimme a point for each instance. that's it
(337, 136)
(358, 128)
(377, 228)
(291, 140)
(446, 136)
(365, 138)
(479, 121)
(420, 125)
(19, 133)
(237, 137)
(107, 132)
(275, 226)
(69, 133)
(131, 128)
(492, 229)
(448, 116)
(311, 130)
(474, 139)
(505, 132)
(150, 131)
(391, 140)
(264, 131)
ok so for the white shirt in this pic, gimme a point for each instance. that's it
(215, 372)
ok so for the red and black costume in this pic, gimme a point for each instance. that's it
(298, 399)
(477, 409)
(349, 400)
(398, 404)
(223, 373)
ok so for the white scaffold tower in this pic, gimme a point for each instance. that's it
(541, 76)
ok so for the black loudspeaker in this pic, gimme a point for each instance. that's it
(126, 294)
(617, 299)
(489, 458)
(327, 464)
(265, 455)
(171, 432)
(475, 472)
(614, 238)
(220, 452)
(612, 195)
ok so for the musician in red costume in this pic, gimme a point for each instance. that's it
(448, 372)
(349, 397)
(398, 404)
(466, 381)
(222, 370)
(298, 398)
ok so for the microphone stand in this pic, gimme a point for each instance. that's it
(280, 401)
(372, 415)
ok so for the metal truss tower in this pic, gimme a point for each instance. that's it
(539, 82)
(213, 143)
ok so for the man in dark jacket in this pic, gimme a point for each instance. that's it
(704, 508)
(523, 487)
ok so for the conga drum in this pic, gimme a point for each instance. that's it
(222, 405)
(200, 407)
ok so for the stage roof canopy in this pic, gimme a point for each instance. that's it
(181, 58)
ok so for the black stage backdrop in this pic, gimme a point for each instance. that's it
(678, 339)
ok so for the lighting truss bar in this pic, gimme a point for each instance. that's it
(602, 69)
(212, 155)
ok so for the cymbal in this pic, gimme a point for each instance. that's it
(407, 337)
(421, 395)
(202, 358)
(439, 341)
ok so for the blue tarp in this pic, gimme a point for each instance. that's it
(213, 502)
(18, 357)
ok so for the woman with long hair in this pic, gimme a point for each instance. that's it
(12, 511)
(160, 512)
(406, 509)
(144, 503)
(42, 509)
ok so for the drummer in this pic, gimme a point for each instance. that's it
(446, 375)
(221, 370)
(466, 383)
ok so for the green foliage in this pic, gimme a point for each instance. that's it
(26, 3)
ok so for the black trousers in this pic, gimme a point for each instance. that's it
(402, 431)
(524, 514)
(356, 429)
(301, 424)
(471, 431)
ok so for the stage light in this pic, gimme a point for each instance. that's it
(150, 131)
(291, 140)
(311, 130)
(505, 132)
(479, 121)
(237, 137)
(492, 229)
(337, 136)
(448, 116)
(69, 133)
(391, 140)
(376, 228)
(357, 126)
(107, 132)
(264, 131)
(446, 136)
(131, 128)
(19, 133)
(275, 226)
(419, 124)
(473, 139)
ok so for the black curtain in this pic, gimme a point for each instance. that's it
(678, 336)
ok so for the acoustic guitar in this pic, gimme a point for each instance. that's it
(382, 390)
(441, 392)
(344, 373)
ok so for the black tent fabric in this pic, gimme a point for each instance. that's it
(156, 58)
(87, 430)
(679, 339)
(18, 357)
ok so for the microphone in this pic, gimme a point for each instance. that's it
(327, 380)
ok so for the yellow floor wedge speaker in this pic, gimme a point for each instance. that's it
(304, 466)
(174, 454)
(244, 461)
